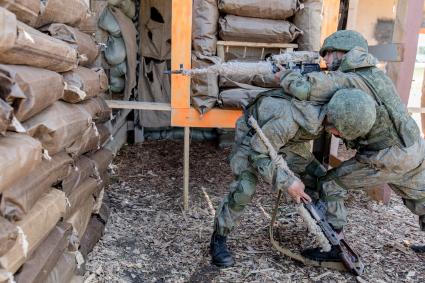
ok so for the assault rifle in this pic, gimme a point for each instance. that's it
(301, 61)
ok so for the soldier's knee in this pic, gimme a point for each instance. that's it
(244, 191)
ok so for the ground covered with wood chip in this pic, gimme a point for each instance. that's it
(149, 238)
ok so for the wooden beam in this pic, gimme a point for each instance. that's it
(406, 32)
(186, 168)
(138, 105)
(215, 118)
(330, 18)
(392, 52)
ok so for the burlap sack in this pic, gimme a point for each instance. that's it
(8, 235)
(22, 45)
(115, 50)
(129, 34)
(45, 257)
(25, 10)
(102, 158)
(204, 87)
(83, 83)
(19, 154)
(108, 23)
(89, 24)
(88, 189)
(91, 140)
(205, 26)
(6, 116)
(92, 235)
(58, 126)
(117, 84)
(154, 86)
(235, 79)
(128, 8)
(33, 89)
(83, 169)
(309, 20)
(118, 70)
(38, 223)
(270, 9)
(235, 28)
(85, 45)
(70, 12)
(63, 270)
(155, 29)
(235, 98)
(80, 219)
(97, 108)
(20, 197)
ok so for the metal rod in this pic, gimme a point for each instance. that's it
(186, 168)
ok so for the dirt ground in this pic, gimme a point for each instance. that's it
(149, 238)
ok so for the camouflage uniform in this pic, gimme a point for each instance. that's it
(391, 152)
(289, 124)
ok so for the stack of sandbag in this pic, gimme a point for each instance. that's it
(52, 130)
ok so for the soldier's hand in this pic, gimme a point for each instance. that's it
(296, 191)
(277, 76)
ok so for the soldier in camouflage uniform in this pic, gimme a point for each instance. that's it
(391, 152)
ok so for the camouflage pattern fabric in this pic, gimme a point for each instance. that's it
(343, 40)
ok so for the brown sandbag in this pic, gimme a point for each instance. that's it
(43, 260)
(70, 12)
(235, 79)
(19, 153)
(89, 188)
(6, 116)
(23, 194)
(97, 108)
(8, 235)
(235, 98)
(83, 169)
(92, 235)
(92, 139)
(155, 29)
(23, 45)
(83, 83)
(205, 26)
(25, 10)
(36, 225)
(129, 34)
(309, 20)
(58, 126)
(63, 270)
(85, 45)
(204, 88)
(33, 89)
(102, 158)
(80, 219)
(235, 28)
(270, 9)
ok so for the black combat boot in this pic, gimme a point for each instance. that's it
(219, 252)
(418, 248)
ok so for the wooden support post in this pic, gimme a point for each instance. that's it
(423, 105)
(186, 168)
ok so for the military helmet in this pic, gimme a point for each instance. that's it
(343, 40)
(352, 112)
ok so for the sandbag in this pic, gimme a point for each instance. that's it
(270, 9)
(204, 87)
(118, 70)
(235, 79)
(8, 235)
(129, 34)
(33, 89)
(235, 98)
(108, 22)
(88, 189)
(63, 270)
(114, 2)
(80, 219)
(22, 45)
(155, 29)
(235, 28)
(6, 116)
(115, 50)
(83, 169)
(92, 139)
(128, 8)
(205, 26)
(92, 235)
(309, 20)
(25, 10)
(97, 108)
(85, 45)
(20, 197)
(102, 158)
(36, 225)
(58, 126)
(19, 153)
(45, 257)
(117, 84)
(83, 83)
(70, 12)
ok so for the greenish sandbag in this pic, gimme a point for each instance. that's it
(119, 70)
(128, 8)
(116, 84)
(108, 22)
(115, 52)
(114, 2)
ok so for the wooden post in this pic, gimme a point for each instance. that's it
(186, 168)
(423, 105)
(330, 18)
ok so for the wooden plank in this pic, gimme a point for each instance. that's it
(256, 44)
(417, 109)
(215, 118)
(423, 105)
(392, 52)
(186, 168)
(181, 38)
(138, 105)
